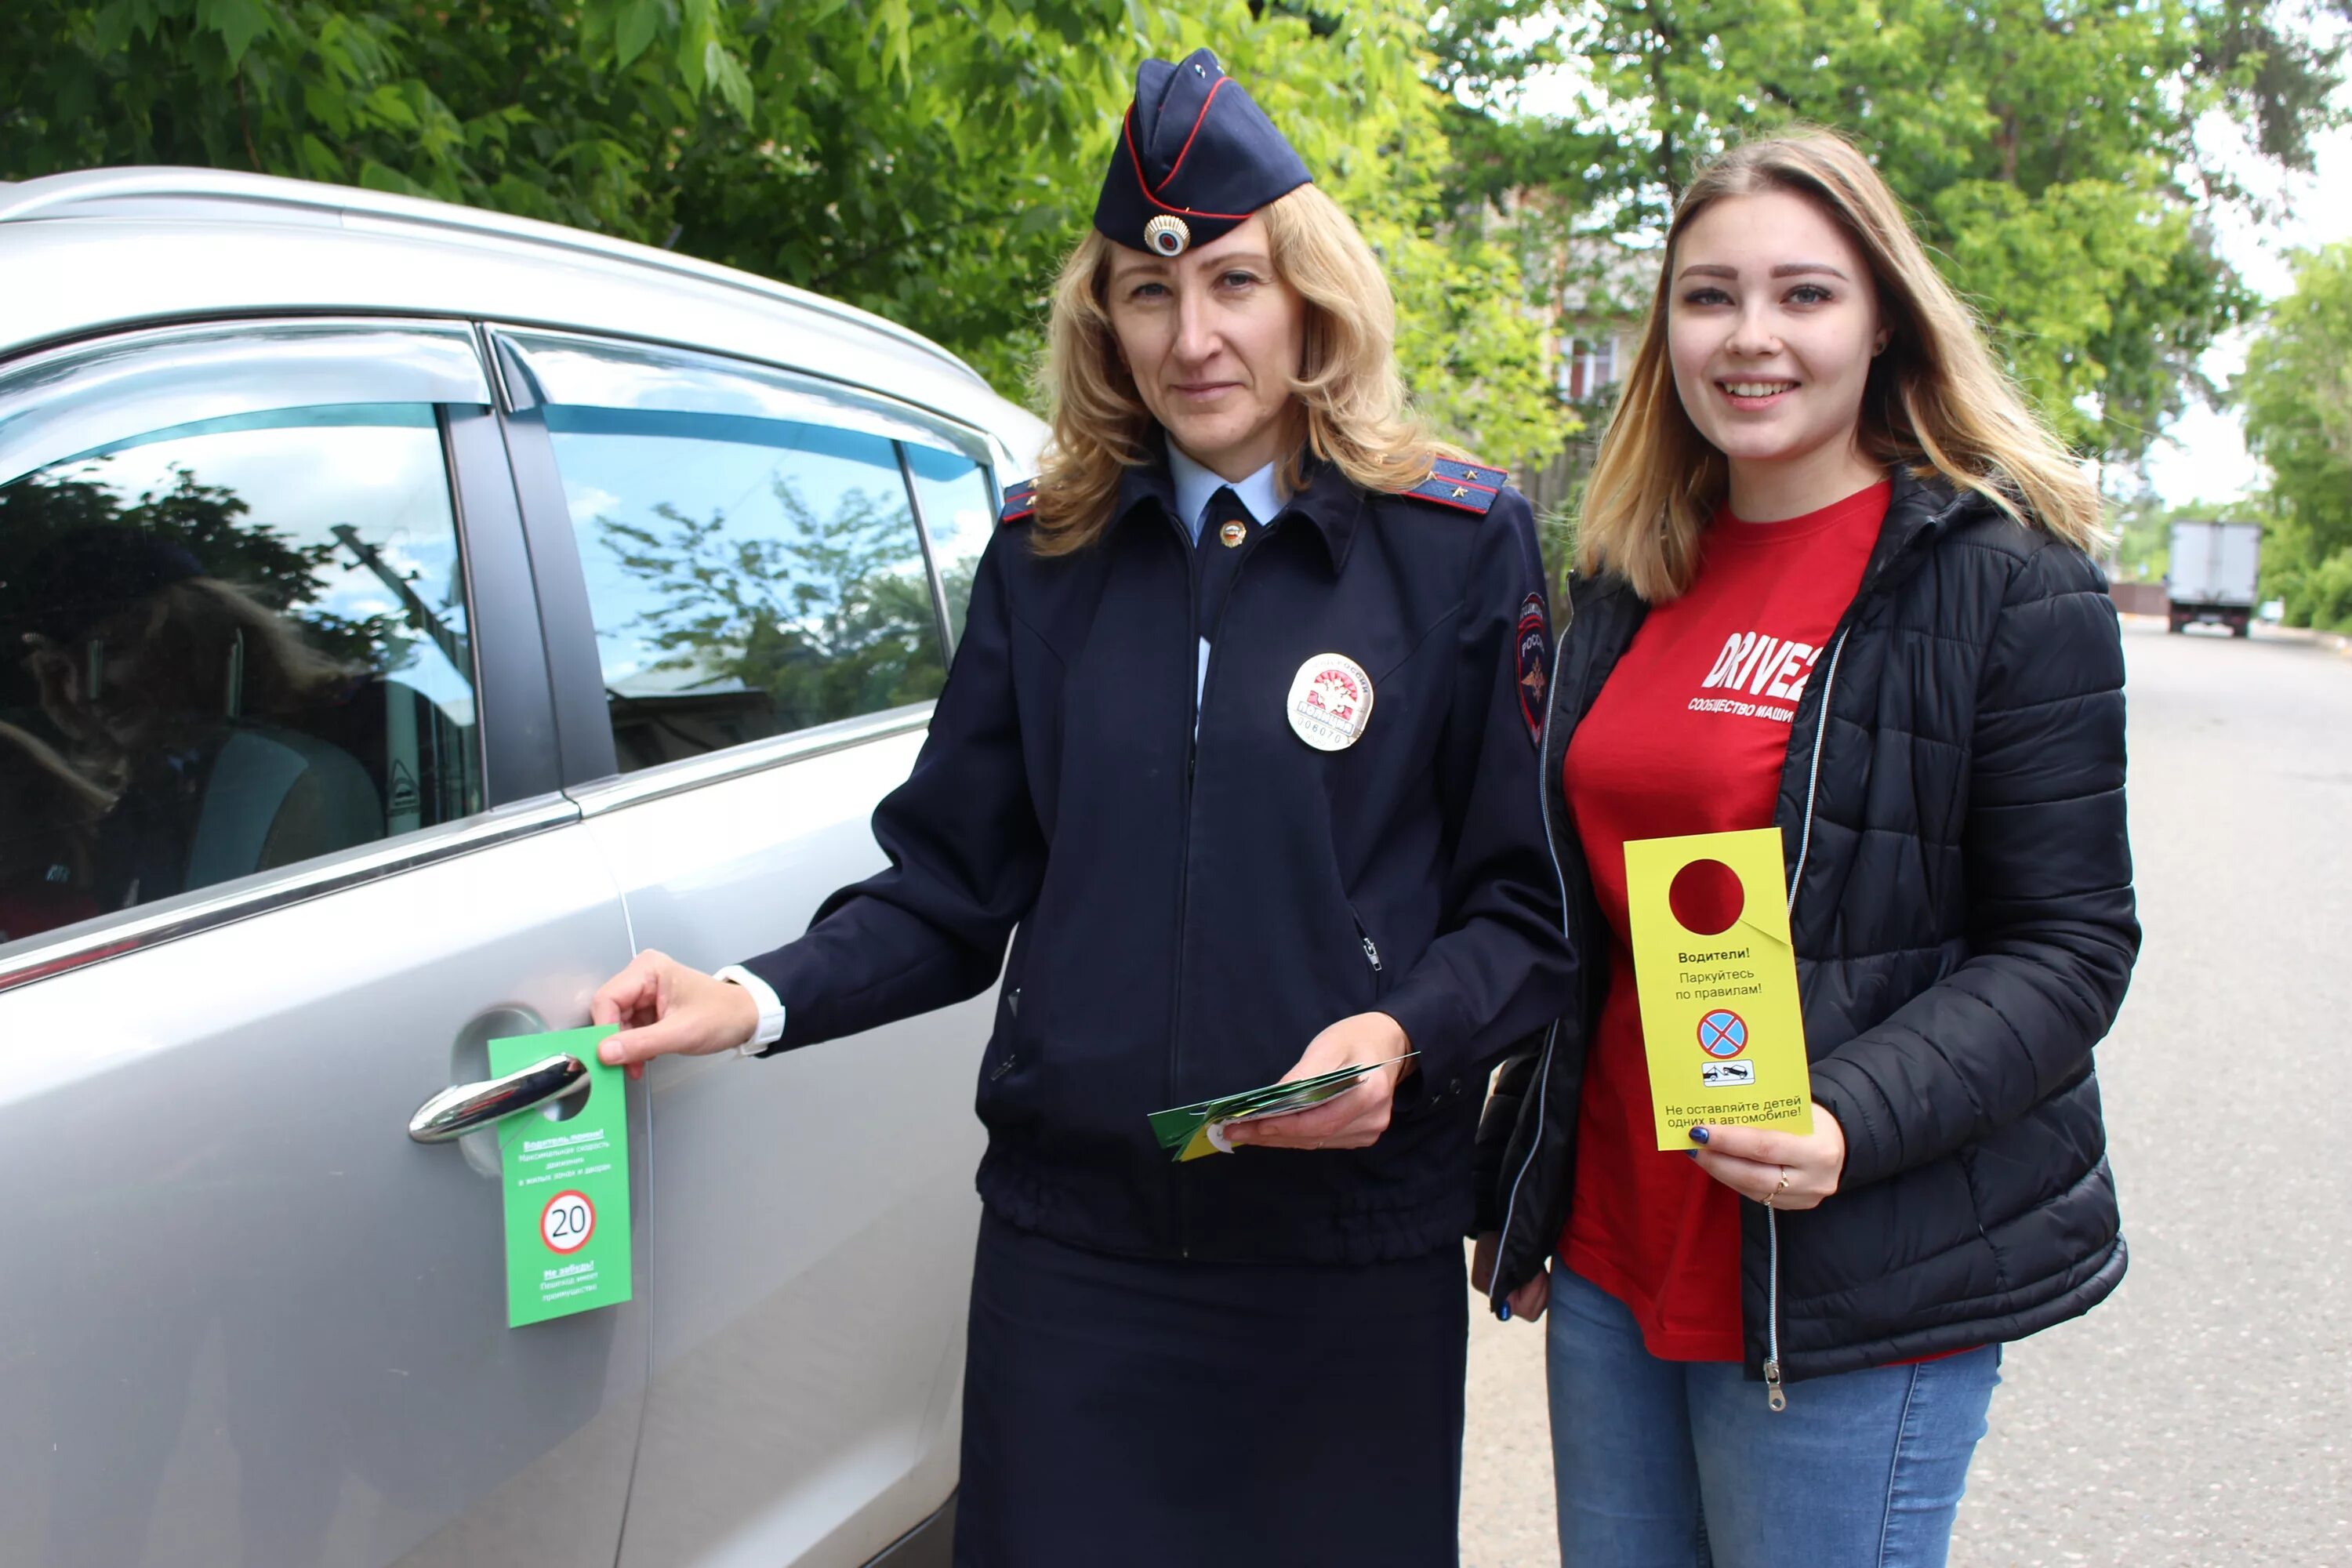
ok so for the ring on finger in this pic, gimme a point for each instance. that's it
(1777, 1191)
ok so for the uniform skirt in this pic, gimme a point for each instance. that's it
(1149, 1413)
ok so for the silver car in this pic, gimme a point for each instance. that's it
(407, 612)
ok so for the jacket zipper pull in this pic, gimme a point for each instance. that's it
(1775, 1396)
(1373, 954)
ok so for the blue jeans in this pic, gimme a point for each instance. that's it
(1664, 1464)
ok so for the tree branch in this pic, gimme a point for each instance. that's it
(245, 122)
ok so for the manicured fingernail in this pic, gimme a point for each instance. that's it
(1690, 1153)
(1506, 1311)
(1699, 1135)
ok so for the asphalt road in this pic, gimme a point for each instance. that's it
(2204, 1415)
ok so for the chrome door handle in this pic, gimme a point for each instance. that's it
(459, 1111)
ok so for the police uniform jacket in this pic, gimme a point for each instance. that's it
(1195, 905)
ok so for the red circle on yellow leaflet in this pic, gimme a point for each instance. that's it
(1706, 898)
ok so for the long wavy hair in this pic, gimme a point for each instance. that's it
(1936, 402)
(1347, 400)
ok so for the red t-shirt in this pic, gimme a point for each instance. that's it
(1689, 736)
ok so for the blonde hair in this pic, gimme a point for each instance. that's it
(1349, 398)
(1936, 402)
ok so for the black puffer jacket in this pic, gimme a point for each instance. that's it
(1952, 810)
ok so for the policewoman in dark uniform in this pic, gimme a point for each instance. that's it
(1241, 738)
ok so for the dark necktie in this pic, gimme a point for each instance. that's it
(1217, 556)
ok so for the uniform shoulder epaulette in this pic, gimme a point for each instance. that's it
(1020, 501)
(1464, 486)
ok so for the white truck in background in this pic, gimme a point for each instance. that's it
(2216, 571)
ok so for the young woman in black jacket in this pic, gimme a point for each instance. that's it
(1832, 579)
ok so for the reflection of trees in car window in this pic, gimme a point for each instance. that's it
(209, 522)
(829, 621)
(955, 580)
(747, 577)
(960, 514)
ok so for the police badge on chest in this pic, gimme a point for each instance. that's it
(1330, 701)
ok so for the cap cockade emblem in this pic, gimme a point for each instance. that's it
(1167, 235)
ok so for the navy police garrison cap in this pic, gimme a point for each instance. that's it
(1195, 158)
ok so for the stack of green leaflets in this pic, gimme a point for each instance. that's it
(1186, 1128)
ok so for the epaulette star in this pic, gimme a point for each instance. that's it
(1466, 487)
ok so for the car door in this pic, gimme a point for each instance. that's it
(280, 848)
(763, 628)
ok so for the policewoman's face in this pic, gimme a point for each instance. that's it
(1771, 323)
(1213, 339)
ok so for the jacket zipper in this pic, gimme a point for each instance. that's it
(1813, 768)
(1185, 867)
(1560, 880)
(1187, 544)
(1012, 1053)
(1364, 937)
(1775, 1396)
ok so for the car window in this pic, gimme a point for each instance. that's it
(960, 512)
(227, 644)
(752, 558)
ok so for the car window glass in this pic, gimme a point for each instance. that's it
(148, 385)
(599, 373)
(960, 512)
(226, 644)
(748, 575)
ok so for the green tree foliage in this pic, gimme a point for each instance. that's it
(2297, 390)
(928, 159)
(2044, 146)
(2275, 72)
(932, 159)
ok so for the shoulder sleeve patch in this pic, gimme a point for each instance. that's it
(1532, 644)
(1464, 486)
(1020, 501)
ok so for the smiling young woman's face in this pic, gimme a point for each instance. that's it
(1214, 339)
(1771, 323)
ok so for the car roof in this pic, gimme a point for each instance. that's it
(109, 248)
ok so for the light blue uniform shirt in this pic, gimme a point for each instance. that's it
(1260, 495)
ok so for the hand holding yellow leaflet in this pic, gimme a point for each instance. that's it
(1721, 1023)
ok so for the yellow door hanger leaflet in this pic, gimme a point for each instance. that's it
(1721, 1023)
